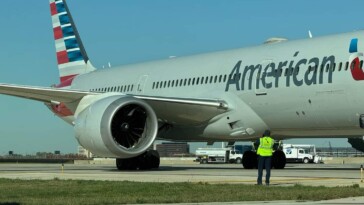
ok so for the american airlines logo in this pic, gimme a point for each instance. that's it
(269, 74)
(354, 60)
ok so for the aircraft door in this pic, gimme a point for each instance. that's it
(141, 84)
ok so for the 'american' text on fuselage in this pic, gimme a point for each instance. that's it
(272, 73)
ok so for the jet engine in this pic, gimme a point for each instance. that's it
(116, 126)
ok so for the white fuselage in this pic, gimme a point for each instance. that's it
(286, 97)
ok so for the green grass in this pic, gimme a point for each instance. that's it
(114, 192)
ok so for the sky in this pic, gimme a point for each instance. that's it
(130, 31)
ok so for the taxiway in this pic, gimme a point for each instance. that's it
(305, 174)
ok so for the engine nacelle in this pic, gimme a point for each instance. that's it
(116, 126)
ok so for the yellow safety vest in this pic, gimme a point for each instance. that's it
(265, 148)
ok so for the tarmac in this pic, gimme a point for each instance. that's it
(330, 175)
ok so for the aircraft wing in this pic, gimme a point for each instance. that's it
(185, 111)
(171, 110)
(43, 94)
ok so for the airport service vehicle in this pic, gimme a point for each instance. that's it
(298, 153)
(218, 155)
(301, 88)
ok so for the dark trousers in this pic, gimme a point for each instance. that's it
(264, 162)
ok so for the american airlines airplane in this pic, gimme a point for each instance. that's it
(302, 88)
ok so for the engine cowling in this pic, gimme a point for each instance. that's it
(116, 126)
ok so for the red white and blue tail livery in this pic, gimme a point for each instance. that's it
(71, 56)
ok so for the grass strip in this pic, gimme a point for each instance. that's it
(125, 192)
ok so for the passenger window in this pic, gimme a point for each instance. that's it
(157, 85)
(132, 87)
(215, 81)
(185, 82)
(211, 78)
(207, 79)
(224, 78)
(220, 78)
(197, 81)
(202, 78)
(189, 81)
(340, 66)
(333, 67)
(193, 81)
(346, 65)
(169, 83)
(180, 82)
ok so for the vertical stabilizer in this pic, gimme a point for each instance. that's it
(71, 55)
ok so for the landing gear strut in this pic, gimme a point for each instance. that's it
(148, 160)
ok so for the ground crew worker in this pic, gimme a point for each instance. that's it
(265, 152)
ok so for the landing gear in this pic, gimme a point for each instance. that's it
(250, 160)
(279, 159)
(148, 160)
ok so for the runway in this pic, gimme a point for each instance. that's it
(305, 174)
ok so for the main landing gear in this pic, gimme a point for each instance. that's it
(148, 160)
(250, 159)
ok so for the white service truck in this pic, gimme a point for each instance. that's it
(218, 155)
(300, 153)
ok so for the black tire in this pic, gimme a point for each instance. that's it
(250, 160)
(279, 159)
(120, 165)
(154, 158)
(306, 160)
(143, 161)
(204, 161)
(238, 160)
(127, 164)
(131, 163)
